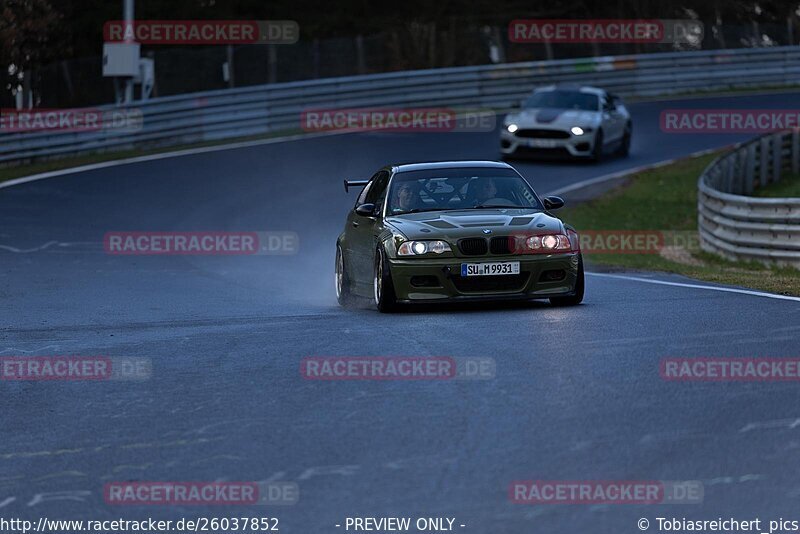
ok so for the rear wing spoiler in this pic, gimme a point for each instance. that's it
(354, 183)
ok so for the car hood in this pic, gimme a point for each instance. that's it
(454, 225)
(553, 118)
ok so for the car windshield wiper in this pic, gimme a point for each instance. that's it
(483, 206)
(495, 206)
(420, 210)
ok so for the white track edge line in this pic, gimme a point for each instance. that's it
(164, 155)
(699, 286)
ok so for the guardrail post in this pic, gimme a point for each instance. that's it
(711, 178)
(723, 176)
(717, 178)
(777, 157)
(730, 173)
(750, 169)
(741, 171)
(763, 178)
(272, 64)
(795, 151)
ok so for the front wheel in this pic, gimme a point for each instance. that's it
(597, 149)
(625, 144)
(383, 288)
(343, 294)
(577, 297)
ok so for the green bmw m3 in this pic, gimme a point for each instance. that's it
(455, 231)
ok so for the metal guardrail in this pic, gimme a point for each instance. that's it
(741, 227)
(257, 110)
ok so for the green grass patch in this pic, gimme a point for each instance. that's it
(789, 186)
(665, 199)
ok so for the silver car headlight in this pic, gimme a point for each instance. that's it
(576, 130)
(512, 128)
(417, 248)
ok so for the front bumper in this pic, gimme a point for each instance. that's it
(574, 145)
(441, 278)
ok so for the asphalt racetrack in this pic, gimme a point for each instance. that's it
(577, 393)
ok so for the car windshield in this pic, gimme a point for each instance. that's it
(563, 100)
(457, 189)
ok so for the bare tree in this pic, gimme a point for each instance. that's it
(30, 36)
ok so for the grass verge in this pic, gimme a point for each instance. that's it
(789, 186)
(665, 199)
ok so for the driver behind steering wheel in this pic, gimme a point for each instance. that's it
(480, 190)
(405, 198)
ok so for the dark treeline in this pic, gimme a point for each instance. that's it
(399, 35)
(73, 28)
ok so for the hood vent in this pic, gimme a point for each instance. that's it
(436, 223)
(483, 224)
(548, 115)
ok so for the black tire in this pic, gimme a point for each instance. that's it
(382, 286)
(625, 144)
(342, 281)
(577, 297)
(597, 149)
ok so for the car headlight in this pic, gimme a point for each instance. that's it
(547, 243)
(576, 130)
(417, 248)
(512, 128)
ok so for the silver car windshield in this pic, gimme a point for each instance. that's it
(563, 100)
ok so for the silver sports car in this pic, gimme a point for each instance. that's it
(576, 121)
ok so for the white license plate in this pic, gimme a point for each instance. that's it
(543, 143)
(490, 269)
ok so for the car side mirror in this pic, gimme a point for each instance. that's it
(553, 203)
(366, 210)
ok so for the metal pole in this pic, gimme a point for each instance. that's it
(272, 56)
(360, 61)
(127, 15)
(231, 82)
